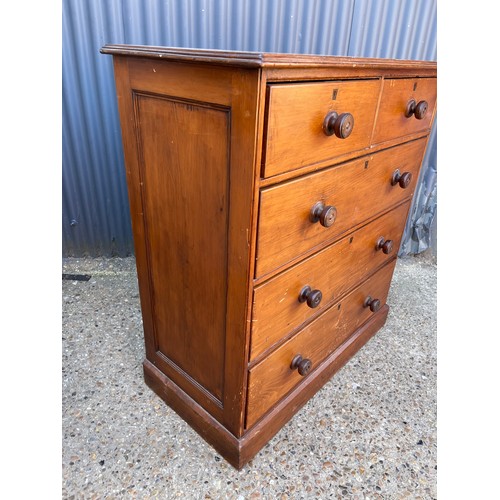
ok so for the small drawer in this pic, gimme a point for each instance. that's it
(298, 128)
(286, 301)
(308, 212)
(274, 377)
(406, 107)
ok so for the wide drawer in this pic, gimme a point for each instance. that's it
(295, 133)
(273, 377)
(277, 309)
(358, 190)
(395, 116)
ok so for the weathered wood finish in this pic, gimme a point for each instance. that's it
(315, 167)
(391, 120)
(359, 190)
(334, 271)
(295, 135)
(193, 261)
(239, 451)
(187, 250)
(273, 378)
(222, 253)
(281, 66)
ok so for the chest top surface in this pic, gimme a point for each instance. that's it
(271, 60)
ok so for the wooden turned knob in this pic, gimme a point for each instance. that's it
(373, 304)
(303, 365)
(419, 110)
(385, 245)
(325, 214)
(403, 179)
(312, 297)
(340, 125)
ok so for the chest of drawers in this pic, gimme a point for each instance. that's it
(268, 196)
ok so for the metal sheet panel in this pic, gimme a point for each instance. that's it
(404, 30)
(95, 214)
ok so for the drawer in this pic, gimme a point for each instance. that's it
(392, 121)
(297, 112)
(273, 377)
(358, 190)
(332, 272)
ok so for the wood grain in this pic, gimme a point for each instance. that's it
(198, 418)
(186, 208)
(221, 136)
(127, 112)
(240, 451)
(244, 91)
(215, 242)
(272, 378)
(358, 189)
(296, 66)
(315, 167)
(334, 271)
(295, 136)
(266, 427)
(391, 119)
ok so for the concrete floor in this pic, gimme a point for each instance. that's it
(369, 433)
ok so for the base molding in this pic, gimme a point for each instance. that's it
(211, 430)
(239, 451)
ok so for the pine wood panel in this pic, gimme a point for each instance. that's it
(358, 189)
(267, 426)
(316, 167)
(391, 120)
(209, 231)
(281, 66)
(234, 95)
(187, 250)
(333, 271)
(273, 378)
(295, 136)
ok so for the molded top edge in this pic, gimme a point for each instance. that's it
(262, 59)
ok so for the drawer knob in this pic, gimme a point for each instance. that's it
(373, 304)
(385, 245)
(312, 297)
(340, 125)
(418, 109)
(325, 214)
(403, 179)
(303, 365)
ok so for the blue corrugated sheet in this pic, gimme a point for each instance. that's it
(96, 218)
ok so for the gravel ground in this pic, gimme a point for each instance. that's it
(369, 433)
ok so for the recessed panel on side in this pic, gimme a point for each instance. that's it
(184, 148)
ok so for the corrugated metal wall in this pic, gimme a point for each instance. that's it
(95, 213)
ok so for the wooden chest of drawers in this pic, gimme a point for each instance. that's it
(268, 196)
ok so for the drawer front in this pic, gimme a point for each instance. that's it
(392, 121)
(295, 133)
(277, 309)
(358, 190)
(273, 377)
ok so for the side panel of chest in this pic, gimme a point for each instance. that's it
(189, 138)
(186, 246)
(265, 226)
